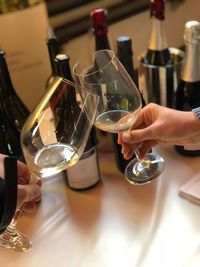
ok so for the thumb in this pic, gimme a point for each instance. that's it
(139, 135)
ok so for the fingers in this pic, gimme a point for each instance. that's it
(23, 173)
(137, 136)
(119, 140)
(127, 150)
(145, 147)
(27, 193)
(29, 206)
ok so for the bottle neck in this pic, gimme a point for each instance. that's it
(101, 42)
(53, 49)
(191, 65)
(127, 61)
(63, 69)
(158, 39)
(5, 81)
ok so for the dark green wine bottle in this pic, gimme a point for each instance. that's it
(9, 135)
(15, 109)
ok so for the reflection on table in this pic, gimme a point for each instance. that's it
(114, 224)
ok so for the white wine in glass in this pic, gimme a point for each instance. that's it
(55, 134)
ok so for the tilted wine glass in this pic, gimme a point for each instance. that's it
(55, 134)
(118, 108)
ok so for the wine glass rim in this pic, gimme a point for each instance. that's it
(93, 72)
(80, 87)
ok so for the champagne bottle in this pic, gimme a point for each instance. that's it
(13, 105)
(158, 52)
(85, 173)
(23, 30)
(188, 90)
(53, 50)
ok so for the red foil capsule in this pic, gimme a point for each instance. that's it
(99, 18)
(157, 9)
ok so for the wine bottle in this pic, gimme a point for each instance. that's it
(53, 50)
(85, 173)
(9, 135)
(100, 29)
(13, 105)
(125, 55)
(23, 30)
(158, 52)
(188, 90)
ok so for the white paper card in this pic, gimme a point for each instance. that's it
(191, 190)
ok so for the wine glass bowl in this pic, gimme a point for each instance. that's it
(119, 106)
(54, 136)
(108, 79)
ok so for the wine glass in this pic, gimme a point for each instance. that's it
(118, 108)
(53, 138)
(55, 134)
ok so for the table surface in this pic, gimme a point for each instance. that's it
(114, 224)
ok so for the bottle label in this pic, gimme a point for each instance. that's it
(23, 34)
(85, 172)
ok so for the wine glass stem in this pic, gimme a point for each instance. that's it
(11, 228)
(142, 163)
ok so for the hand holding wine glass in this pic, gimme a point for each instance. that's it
(55, 134)
(154, 127)
(118, 108)
(16, 171)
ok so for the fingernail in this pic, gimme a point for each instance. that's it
(126, 137)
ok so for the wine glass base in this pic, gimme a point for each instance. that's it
(142, 172)
(17, 241)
